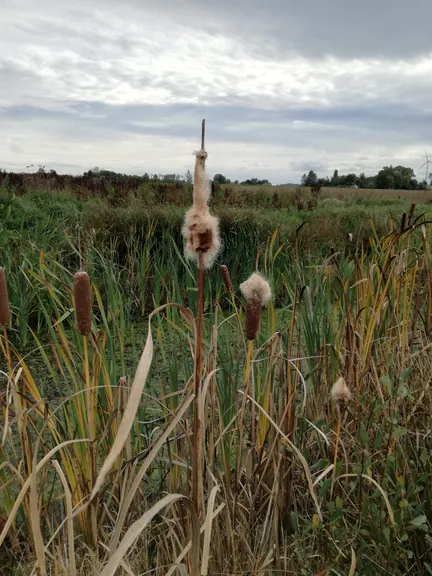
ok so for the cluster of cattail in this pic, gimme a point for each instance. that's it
(4, 300)
(257, 292)
(200, 228)
(83, 304)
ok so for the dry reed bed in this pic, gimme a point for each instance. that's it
(303, 450)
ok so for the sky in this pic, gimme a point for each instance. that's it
(285, 86)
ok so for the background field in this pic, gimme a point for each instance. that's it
(296, 485)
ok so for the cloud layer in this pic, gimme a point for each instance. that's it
(285, 86)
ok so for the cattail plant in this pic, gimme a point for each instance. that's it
(83, 312)
(201, 231)
(257, 292)
(340, 394)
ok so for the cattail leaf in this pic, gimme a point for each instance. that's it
(353, 563)
(132, 403)
(134, 532)
(26, 485)
(69, 519)
(4, 300)
(186, 549)
(207, 531)
(297, 452)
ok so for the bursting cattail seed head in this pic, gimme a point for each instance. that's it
(4, 300)
(340, 393)
(82, 297)
(257, 292)
(200, 228)
(226, 278)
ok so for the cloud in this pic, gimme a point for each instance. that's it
(283, 85)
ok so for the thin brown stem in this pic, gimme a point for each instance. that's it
(203, 135)
(197, 424)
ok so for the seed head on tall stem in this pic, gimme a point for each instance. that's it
(341, 395)
(257, 292)
(200, 228)
(201, 231)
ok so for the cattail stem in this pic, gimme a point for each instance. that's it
(197, 425)
(203, 135)
(242, 418)
(338, 429)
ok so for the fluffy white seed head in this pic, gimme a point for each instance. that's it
(256, 287)
(200, 228)
(201, 231)
(201, 184)
(340, 391)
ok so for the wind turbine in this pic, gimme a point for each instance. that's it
(426, 164)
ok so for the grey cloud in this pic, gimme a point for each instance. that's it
(305, 138)
(63, 65)
(384, 28)
(275, 29)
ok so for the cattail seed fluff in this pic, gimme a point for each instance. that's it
(340, 392)
(226, 278)
(257, 292)
(200, 228)
(82, 297)
(4, 300)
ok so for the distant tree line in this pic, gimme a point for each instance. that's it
(388, 178)
(221, 179)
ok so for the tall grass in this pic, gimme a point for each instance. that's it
(96, 463)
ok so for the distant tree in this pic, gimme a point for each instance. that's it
(323, 182)
(188, 177)
(220, 179)
(350, 179)
(335, 178)
(256, 182)
(362, 180)
(385, 178)
(311, 179)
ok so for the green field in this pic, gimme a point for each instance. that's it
(289, 481)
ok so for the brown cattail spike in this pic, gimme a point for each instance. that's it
(226, 278)
(253, 316)
(82, 297)
(4, 300)
(257, 292)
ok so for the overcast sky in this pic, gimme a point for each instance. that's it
(286, 86)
